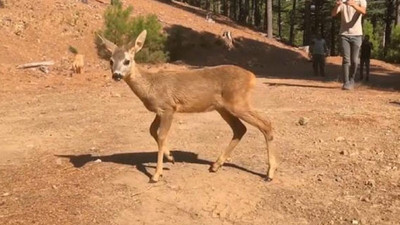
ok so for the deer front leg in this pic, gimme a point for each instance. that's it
(155, 125)
(165, 124)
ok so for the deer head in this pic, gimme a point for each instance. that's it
(122, 61)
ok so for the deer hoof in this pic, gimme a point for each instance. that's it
(268, 179)
(214, 168)
(155, 179)
(151, 181)
(171, 159)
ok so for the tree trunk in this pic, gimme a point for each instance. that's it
(279, 20)
(307, 23)
(333, 36)
(257, 14)
(225, 7)
(292, 21)
(388, 25)
(241, 12)
(233, 9)
(246, 11)
(269, 18)
(397, 12)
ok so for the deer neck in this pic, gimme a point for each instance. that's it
(139, 84)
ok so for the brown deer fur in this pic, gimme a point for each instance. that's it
(225, 89)
(78, 63)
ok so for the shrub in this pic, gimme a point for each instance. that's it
(393, 54)
(373, 38)
(122, 29)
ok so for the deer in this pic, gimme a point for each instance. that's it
(79, 60)
(224, 88)
(78, 63)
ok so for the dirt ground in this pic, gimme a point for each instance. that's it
(76, 149)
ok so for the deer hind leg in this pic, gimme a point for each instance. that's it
(264, 125)
(165, 125)
(154, 133)
(238, 128)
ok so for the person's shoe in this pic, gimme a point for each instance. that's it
(352, 81)
(347, 86)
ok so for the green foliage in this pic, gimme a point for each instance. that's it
(122, 29)
(373, 37)
(393, 54)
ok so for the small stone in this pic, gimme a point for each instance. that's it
(6, 194)
(97, 161)
(355, 222)
(365, 199)
(340, 139)
(58, 161)
(115, 95)
(344, 152)
(303, 121)
(370, 183)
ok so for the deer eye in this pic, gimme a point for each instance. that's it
(126, 62)
(111, 62)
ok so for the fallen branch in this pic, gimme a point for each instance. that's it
(35, 64)
(101, 1)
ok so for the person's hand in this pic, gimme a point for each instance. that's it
(351, 3)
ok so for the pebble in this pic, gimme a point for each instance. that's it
(97, 161)
(344, 152)
(339, 139)
(115, 95)
(58, 161)
(355, 222)
(370, 183)
(303, 121)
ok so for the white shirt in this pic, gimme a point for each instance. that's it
(351, 19)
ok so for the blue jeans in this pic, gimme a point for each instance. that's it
(350, 50)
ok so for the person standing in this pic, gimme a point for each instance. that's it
(350, 36)
(366, 48)
(318, 51)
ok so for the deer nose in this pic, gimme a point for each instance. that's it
(117, 76)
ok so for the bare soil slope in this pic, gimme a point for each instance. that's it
(76, 149)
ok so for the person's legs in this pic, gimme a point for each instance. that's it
(315, 64)
(322, 65)
(355, 50)
(367, 69)
(346, 53)
(362, 63)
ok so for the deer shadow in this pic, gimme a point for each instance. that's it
(140, 159)
(299, 85)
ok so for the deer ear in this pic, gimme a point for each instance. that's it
(109, 45)
(139, 42)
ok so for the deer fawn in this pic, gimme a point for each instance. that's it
(78, 63)
(225, 89)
